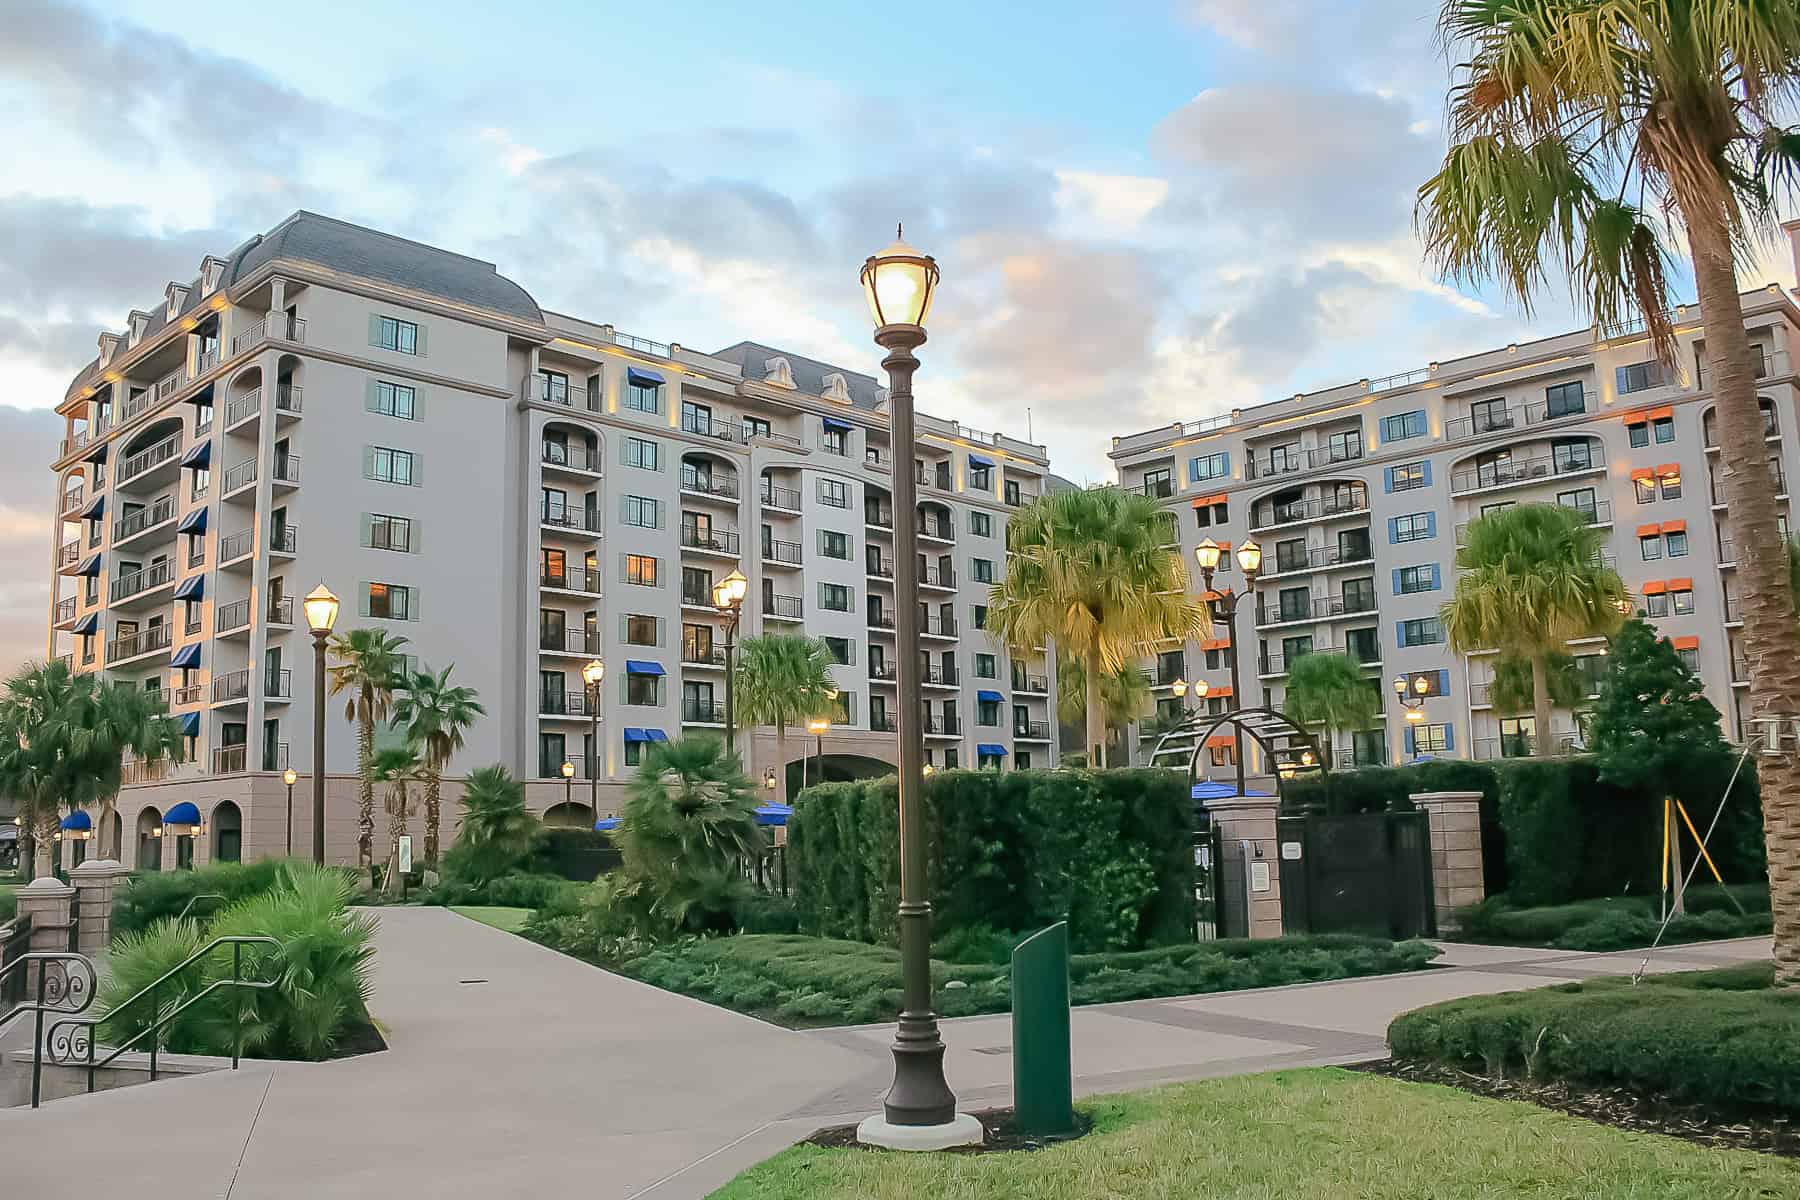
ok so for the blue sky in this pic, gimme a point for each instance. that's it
(1145, 211)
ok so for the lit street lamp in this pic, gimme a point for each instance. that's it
(920, 1110)
(288, 777)
(321, 614)
(591, 675)
(1249, 557)
(568, 772)
(817, 726)
(728, 598)
(1412, 696)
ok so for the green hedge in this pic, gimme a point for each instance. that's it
(153, 895)
(1724, 1038)
(1109, 851)
(1618, 922)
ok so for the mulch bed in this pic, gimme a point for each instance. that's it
(1002, 1136)
(360, 1037)
(1620, 1107)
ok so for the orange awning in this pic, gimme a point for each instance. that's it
(1219, 691)
(1216, 644)
(1674, 526)
(1668, 469)
(1640, 417)
(1643, 473)
(1681, 585)
(1649, 530)
(1214, 743)
(1204, 501)
(1686, 643)
(1655, 587)
(1665, 413)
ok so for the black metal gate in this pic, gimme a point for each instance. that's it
(1213, 912)
(1359, 873)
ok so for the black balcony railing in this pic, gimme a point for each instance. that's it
(570, 641)
(881, 722)
(718, 541)
(775, 550)
(1307, 607)
(1033, 685)
(1308, 558)
(884, 671)
(705, 483)
(563, 704)
(1325, 456)
(789, 607)
(879, 568)
(700, 711)
(938, 675)
(579, 458)
(1509, 471)
(880, 620)
(1032, 731)
(941, 724)
(228, 617)
(1272, 464)
(943, 531)
(562, 516)
(701, 656)
(787, 499)
(153, 576)
(938, 626)
(570, 579)
(878, 516)
(145, 641)
(135, 523)
(1289, 512)
(937, 577)
(1158, 489)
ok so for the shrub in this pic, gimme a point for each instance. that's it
(1618, 923)
(155, 895)
(1723, 1038)
(576, 854)
(9, 904)
(497, 832)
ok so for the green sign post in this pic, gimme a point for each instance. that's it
(1043, 1080)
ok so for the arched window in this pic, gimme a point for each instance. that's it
(227, 833)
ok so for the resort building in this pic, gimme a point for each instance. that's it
(518, 493)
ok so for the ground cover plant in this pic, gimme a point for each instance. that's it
(1618, 922)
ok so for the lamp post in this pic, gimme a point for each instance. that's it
(1249, 557)
(289, 777)
(591, 675)
(1412, 695)
(728, 598)
(920, 1110)
(568, 772)
(817, 726)
(321, 614)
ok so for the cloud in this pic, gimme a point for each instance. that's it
(1114, 204)
(1382, 45)
(27, 442)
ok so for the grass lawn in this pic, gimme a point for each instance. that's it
(1618, 922)
(510, 919)
(1302, 1134)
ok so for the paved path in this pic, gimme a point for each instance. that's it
(515, 1071)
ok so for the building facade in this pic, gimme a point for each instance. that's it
(1359, 496)
(516, 492)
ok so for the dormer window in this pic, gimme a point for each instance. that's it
(176, 295)
(837, 388)
(778, 373)
(212, 273)
(140, 325)
(109, 346)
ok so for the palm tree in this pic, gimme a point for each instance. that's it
(365, 664)
(1091, 571)
(1330, 690)
(1124, 694)
(1530, 578)
(125, 718)
(782, 679)
(687, 829)
(397, 766)
(497, 829)
(436, 716)
(1562, 110)
(1512, 688)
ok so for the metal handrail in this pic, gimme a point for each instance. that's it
(66, 1047)
(53, 988)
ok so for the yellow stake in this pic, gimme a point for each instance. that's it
(1689, 822)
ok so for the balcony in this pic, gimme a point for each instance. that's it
(276, 327)
(783, 608)
(142, 581)
(278, 685)
(701, 425)
(564, 704)
(236, 546)
(72, 499)
(585, 643)
(137, 645)
(937, 626)
(570, 579)
(1156, 489)
(936, 530)
(555, 389)
(1315, 558)
(883, 722)
(702, 658)
(699, 711)
(1740, 670)
(1271, 465)
(1718, 493)
(1031, 731)
(65, 611)
(286, 472)
(1346, 757)
(935, 675)
(143, 520)
(881, 620)
(68, 555)
(942, 579)
(878, 516)
(1313, 608)
(238, 479)
(280, 610)
(703, 540)
(1031, 685)
(1513, 472)
(137, 770)
(1487, 420)
(1268, 514)
(883, 672)
(1597, 513)
(941, 725)
(1328, 456)
(1514, 745)
(563, 518)
(1164, 676)
(879, 568)
(780, 553)
(243, 409)
(707, 485)
(231, 618)
(144, 465)
(193, 693)
(578, 459)
(780, 499)
(698, 600)
(1268, 665)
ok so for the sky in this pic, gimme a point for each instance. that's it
(1144, 211)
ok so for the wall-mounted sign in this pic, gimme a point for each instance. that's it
(1259, 876)
(1290, 851)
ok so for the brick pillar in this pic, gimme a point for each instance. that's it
(1251, 819)
(1456, 878)
(50, 903)
(96, 883)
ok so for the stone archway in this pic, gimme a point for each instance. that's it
(836, 768)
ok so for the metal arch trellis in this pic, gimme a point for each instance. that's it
(1263, 725)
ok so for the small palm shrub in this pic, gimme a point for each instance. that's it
(498, 832)
(139, 959)
(155, 895)
(687, 829)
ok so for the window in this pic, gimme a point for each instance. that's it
(1671, 486)
(1572, 454)
(986, 667)
(643, 512)
(835, 441)
(950, 758)
(987, 712)
(395, 400)
(1283, 459)
(981, 524)
(696, 418)
(1424, 631)
(1400, 426)
(1435, 683)
(1407, 476)
(1431, 739)
(643, 396)
(402, 337)
(642, 689)
(1413, 527)
(1656, 604)
(202, 481)
(390, 601)
(634, 753)
(550, 755)
(1159, 482)
(1681, 602)
(1295, 603)
(834, 493)
(1211, 514)
(1582, 501)
(841, 649)
(1359, 595)
(640, 569)
(1209, 466)
(1645, 489)
(1690, 658)
(1639, 377)
(833, 544)
(1663, 430)
(696, 586)
(981, 570)
(641, 453)
(981, 477)
(1650, 546)
(1564, 400)
(978, 616)
(1675, 541)
(1416, 579)
(1343, 447)
(1639, 434)
(1516, 736)
(640, 630)
(391, 466)
(834, 597)
(389, 533)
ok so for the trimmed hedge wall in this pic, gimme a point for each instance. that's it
(1110, 851)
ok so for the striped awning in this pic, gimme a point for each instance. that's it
(87, 624)
(194, 522)
(198, 455)
(95, 508)
(190, 724)
(187, 657)
(190, 588)
(90, 567)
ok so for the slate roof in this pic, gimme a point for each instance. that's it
(809, 373)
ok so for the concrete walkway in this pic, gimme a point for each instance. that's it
(513, 1070)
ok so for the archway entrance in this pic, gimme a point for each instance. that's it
(149, 841)
(227, 832)
(569, 815)
(833, 768)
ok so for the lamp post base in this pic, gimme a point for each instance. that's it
(960, 1130)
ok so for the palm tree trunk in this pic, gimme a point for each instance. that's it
(1540, 705)
(396, 831)
(433, 809)
(1771, 633)
(44, 851)
(1096, 718)
(365, 813)
(781, 759)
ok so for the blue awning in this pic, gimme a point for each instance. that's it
(988, 697)
(833, 423)
(190, 722)
(190, 588)
(992, 749)
(185, 813)
(95, 508)
(656, 735)
(90, 567)
(187, 657)
(639, 666)
(198, 455)
(78, 820)
(644, 376)
(606, 824)
(773, 813)
(980, 460)
(1206, 789)
(87, 624)
(194, 522)
(98, 453)
(634, 734)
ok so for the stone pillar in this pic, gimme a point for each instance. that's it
(50, 903)
(96, 884)
(1456, 877)
(1249, 822)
